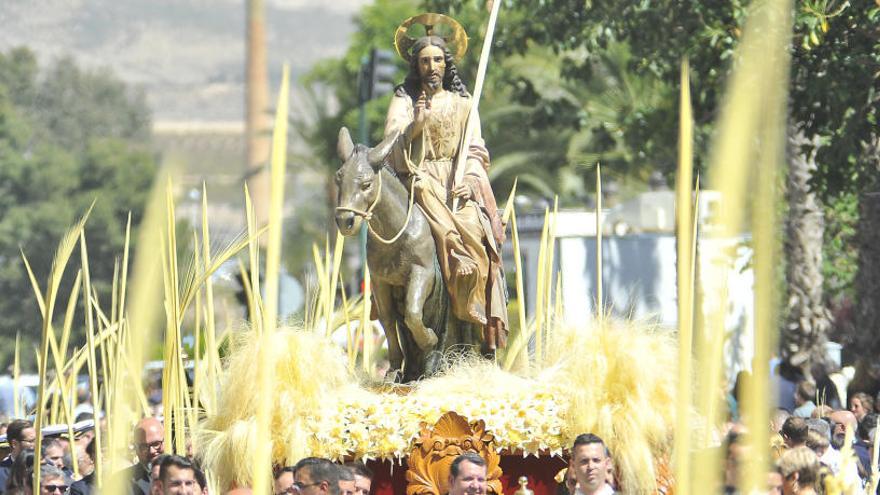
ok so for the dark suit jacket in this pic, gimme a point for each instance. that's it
(5, 467)
(84, 486)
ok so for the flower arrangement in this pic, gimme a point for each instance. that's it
(614, 380)
(384, 425)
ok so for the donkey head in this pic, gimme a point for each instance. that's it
(357, 179)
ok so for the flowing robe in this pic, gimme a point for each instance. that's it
(474, 231)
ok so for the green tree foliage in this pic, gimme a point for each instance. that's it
(839, 263)
(548, 113)
(68, 137)
(337, 79)
(331, 90)
(833, 92)
(836, 58)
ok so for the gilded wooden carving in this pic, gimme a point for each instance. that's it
(440, 444)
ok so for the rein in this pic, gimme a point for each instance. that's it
(367, 214)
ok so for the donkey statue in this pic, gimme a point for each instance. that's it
(408, 287)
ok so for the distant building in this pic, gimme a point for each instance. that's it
(654, 211)
(639, 275)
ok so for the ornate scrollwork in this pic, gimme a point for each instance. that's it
(438, 445)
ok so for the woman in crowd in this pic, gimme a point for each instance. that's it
(799, 468)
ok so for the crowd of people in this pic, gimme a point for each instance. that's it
(809, 442)
(809, 438)
(157, 473)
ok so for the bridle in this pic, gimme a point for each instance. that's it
(367, 214)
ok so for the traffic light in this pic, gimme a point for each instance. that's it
(377, 74)
(382, 72)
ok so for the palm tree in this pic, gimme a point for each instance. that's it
(804, 333)
(868, 275)
(557, 115)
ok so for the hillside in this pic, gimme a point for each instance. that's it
(186, 54)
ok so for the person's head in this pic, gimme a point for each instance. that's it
(83, 438)
(149, 440)
(21, 472)
(866, 426)
(589, 460)
(861, 404)
(839, 421)
(609, 474)
(63, 442)
(363, 477)
(21, 435)
(52, 480)
(284, 480)
(53, 453)
(794, 432)
(201, 480)
(805, 392)
(155, 465)
(346, 480)
(774, 483)
(85, 458)
(571, 481)
(736, 450)
(799, 468)
(467, 475)
(176, 476)
(820, 426)
(817, 442)
(777, 419)
(431, 67)
(314, 476)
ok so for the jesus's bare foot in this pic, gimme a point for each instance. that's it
(426, 339)
(465, 265)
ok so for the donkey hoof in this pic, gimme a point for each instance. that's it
(433, 363)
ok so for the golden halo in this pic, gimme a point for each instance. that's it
(457, 41)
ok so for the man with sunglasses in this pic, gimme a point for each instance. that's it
(315, 476)
(52, 480)
(149, 443)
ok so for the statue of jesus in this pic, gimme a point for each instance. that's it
(429, 111)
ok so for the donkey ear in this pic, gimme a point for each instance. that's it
(377, 155)
(344, 147)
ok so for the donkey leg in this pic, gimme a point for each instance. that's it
(420, 282)
(388, 318)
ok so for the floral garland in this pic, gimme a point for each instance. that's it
(384, 426)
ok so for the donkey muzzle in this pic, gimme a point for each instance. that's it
(347, 222)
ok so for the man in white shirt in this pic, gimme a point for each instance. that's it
(590, 461)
